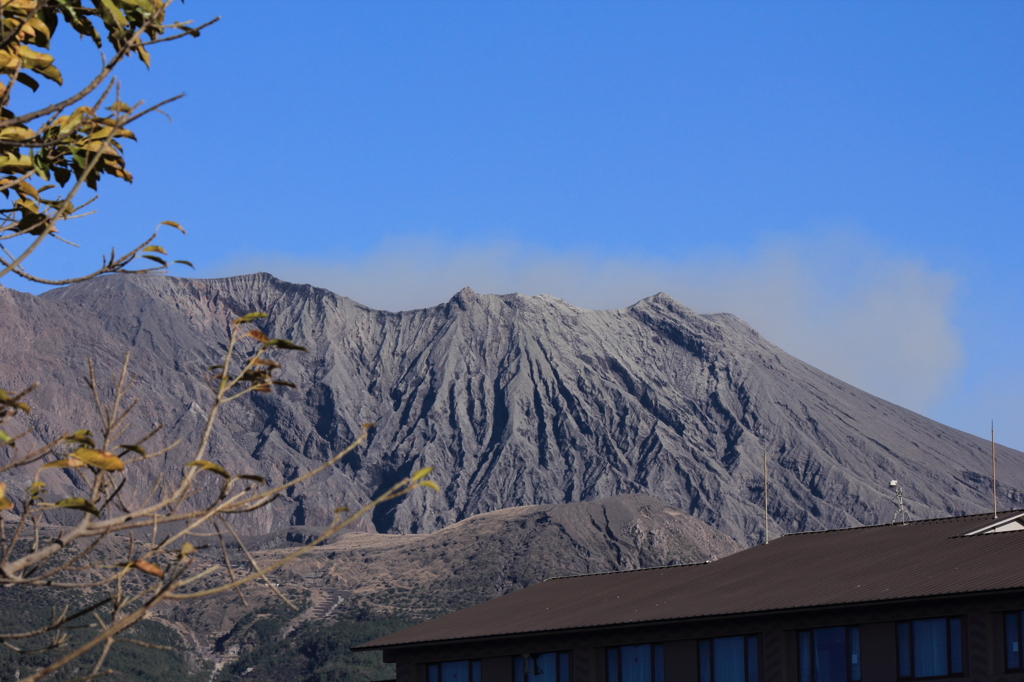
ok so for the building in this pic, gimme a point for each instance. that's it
(932, 599)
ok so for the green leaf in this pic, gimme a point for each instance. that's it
(79, 503)
(254, 477)
(248, 317)
(283, 344)
(115, 13)
(133, 448)
(5, 439)
(209, 466)
(184, 262)
(156, 249)
(157, 259)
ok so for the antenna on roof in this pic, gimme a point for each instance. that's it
(765, 470)
(901, 509)
(995, 504)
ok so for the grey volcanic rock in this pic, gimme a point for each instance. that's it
(418, 576)
(515, 400)
(497, 552)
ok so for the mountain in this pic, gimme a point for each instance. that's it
(360, 583)
(515, 400)
(364, 585)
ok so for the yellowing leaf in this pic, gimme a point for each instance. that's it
(186, 549)
(283, 344)
(210, 466)
(79, 503)
(4, 502)
(431, 485)
(422, 473)
(51, 72)
(248, 317)
(173, 224)
(83, 436)
(17, 134)
(147, 567)
(259, 336)
(5, 439)
(100, 459)
(156, 249)
(254, 477)
(63, 464)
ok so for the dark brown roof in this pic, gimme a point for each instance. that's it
(850, 566)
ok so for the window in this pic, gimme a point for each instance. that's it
(638, 663)
(830, 654)
(930, 648)
(549, 667)
(454, 671)
(1012, 628)
(729, 659)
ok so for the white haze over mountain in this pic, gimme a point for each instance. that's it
(878, 322)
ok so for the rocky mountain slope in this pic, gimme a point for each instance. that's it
(515, 400)
(396, 580)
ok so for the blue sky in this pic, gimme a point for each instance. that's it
(845, 176)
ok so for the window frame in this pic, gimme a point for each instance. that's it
(848, 654)
(475, 669)
(949, 649)
(747, 638)
(516, 660)
(1019, 616)
(657, 654)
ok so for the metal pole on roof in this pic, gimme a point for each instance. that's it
(995, 504)
(765, 471)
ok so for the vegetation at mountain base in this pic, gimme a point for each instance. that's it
(318, 651)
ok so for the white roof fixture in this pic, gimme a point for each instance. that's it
(1015, 522)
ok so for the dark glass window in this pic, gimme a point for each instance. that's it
(637, 663)
(830, 654)
(729, 659)
(930, 648)
(454, 671)
(549, 667)
(1014, 641)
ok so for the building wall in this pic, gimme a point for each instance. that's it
(981, 619)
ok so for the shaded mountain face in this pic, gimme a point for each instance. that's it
(515, 400)
(419, 576)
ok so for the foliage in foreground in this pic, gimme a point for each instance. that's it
(77, 597)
